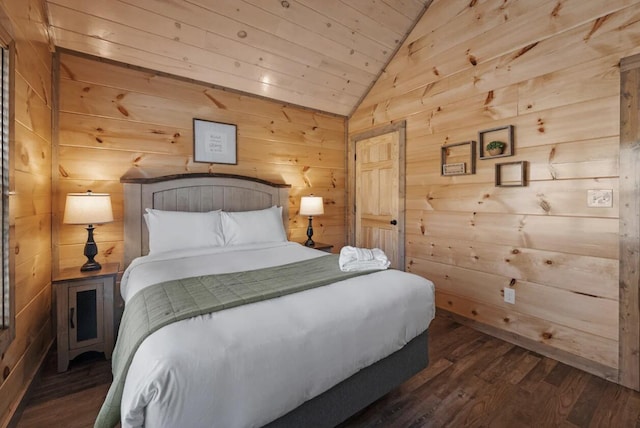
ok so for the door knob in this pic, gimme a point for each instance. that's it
(393, 222)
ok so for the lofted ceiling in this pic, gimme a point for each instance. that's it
(322, 54)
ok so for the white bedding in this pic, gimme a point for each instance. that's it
(249, 365)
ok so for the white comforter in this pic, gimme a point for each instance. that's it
(249, 365)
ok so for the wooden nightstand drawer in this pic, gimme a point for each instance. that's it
(85, 311)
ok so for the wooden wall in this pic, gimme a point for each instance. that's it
(30, 203)
(304, 52)
(551, 69)
(113, 118)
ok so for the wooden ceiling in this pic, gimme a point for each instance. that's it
(322, 54)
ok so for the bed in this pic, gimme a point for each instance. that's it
(310, 358)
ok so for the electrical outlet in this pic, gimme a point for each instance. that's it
(510, 295)
(600, 198)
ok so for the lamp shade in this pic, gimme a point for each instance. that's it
(88, 208)
(311, 205)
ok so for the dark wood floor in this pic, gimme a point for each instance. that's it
(473, 380)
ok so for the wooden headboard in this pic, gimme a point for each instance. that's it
(197, 192)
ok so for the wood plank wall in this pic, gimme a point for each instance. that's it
(113, 118)
(551, 69)
(303, 52)
(30, 203)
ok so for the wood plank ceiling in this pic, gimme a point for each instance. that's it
(322, 54)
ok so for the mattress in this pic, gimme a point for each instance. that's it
(249, 365)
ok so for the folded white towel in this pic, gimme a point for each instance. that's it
(357, 259)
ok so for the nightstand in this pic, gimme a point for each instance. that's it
(84, 307)
(322, 247)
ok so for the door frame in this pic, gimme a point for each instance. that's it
(629, 189)
(399, 127)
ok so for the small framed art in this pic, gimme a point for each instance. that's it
(458, 158)
(453, 168)
(496, 142)
(214, 142)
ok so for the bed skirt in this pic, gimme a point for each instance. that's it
(360, 390)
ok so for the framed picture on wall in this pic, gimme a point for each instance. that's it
(214, 142)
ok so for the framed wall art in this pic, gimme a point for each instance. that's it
(458, 158)
(496, 142)
(214, 142)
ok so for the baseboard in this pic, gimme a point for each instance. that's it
(27, 390)
(597, 369)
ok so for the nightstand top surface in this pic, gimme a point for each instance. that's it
(74, 273)
(320, 246)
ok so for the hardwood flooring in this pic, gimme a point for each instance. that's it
(473, 380)
(70, 399)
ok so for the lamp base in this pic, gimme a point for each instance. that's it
(309, 242)
(90, 266)
(90, 251)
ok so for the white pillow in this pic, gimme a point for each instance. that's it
(252, 227)
(177, 230)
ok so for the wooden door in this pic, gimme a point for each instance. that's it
(378, 215)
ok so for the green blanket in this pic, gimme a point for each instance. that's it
(154, 307)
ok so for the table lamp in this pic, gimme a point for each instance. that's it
(311, 205)
(88, 208)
